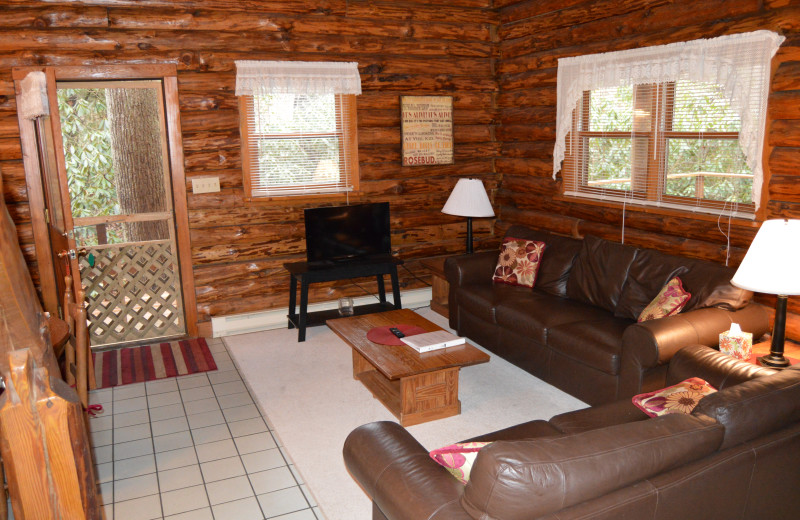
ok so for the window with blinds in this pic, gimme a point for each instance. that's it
(673, 144)
(297, 144)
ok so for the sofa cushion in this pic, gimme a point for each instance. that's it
(481, 299)
(599, 273)
(648, 274)
(597, 344)
(559, 256)
(519, 262)
(533, 314)
(755, 408)
(533, 478)
(710, 285)
(682, 397)
(607, 414)
(669, 301)
(528, 430)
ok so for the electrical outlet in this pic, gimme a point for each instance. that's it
(205, 184)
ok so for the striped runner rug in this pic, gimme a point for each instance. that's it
(149, 362)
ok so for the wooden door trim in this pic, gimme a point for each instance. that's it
(44, 253)
(36, 205)
(179, 197)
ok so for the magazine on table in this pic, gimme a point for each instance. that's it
(433, 341)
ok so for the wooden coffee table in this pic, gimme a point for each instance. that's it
(415, 387)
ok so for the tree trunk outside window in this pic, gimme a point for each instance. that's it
(138, 163)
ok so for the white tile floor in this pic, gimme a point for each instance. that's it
(195, 447)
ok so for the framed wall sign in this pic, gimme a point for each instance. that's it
(426, 124)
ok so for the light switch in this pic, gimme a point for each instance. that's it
(205, 184)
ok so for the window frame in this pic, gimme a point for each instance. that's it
(346, 134)
(645, 186)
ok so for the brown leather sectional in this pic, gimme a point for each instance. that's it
(577, 329)
(736, 456)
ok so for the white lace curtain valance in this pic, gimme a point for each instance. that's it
(296, 77)
(739, 63)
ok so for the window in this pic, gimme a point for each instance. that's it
(299, 133)
(678, 126)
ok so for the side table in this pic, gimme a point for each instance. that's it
(440, 289)
(790, 348)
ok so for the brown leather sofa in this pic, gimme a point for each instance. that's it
(577, 329)
(736, 456)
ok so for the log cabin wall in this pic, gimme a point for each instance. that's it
(534, 34)
(498, 59)
(431, 47)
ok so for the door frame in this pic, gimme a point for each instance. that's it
(168, 74)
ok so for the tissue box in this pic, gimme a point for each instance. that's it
(736, 344)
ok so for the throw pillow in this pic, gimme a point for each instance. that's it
(680, 398)
(519, 262)
(458, 458)
(669, 302)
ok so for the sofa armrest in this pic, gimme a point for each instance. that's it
(720, 370)
(652, 343)
(466, 269)
(395, 470)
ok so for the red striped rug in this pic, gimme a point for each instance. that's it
(149, 362)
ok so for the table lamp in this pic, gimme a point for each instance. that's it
(469, 199)
(770, 267)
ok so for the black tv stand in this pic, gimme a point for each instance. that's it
(315, 272)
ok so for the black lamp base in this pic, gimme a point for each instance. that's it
(775, 357)
(773, 361)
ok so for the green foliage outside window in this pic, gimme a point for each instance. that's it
(696, 108)
(87, 151)
(88, 157)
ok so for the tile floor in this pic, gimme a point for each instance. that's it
(195, 447)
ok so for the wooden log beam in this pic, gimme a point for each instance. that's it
(263, 21)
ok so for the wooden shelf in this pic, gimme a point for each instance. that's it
(320, 317)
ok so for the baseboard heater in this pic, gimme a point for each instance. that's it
(276, 318)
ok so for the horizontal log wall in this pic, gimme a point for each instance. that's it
(534, 34)
(424, 47)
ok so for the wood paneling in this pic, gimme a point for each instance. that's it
(535, 33)
(237, 248)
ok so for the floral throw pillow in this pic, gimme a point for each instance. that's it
(519, 262)
(680, 398)
(669, 302)
(458, 458)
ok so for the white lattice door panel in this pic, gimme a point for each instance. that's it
(133, 292)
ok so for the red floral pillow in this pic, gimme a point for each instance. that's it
(669, 302)
(519, 262)
(458, 458)
(680, 398)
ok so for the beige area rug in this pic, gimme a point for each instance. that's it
(309, 395)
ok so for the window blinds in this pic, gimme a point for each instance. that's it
(299, 128)
(675, 109)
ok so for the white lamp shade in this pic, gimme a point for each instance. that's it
(469, 199)
(772, 264)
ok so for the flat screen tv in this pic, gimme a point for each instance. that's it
(340, 233)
